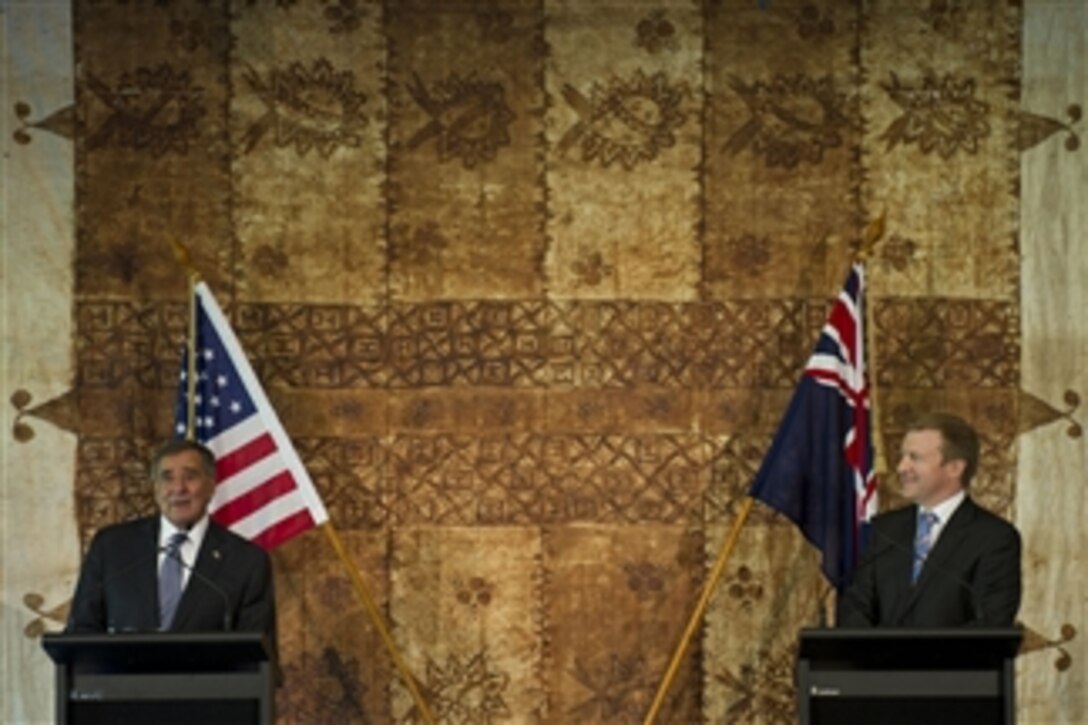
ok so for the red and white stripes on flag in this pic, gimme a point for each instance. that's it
(264, 492)
(844, 370)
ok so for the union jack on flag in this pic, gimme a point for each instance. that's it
(818, 471)
(263, 491)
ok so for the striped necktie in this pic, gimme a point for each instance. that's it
(170, 578)
(923, 541)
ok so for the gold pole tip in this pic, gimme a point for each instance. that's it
(185, 258)
(874, 232)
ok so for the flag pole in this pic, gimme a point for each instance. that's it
(700, 610)
(190, 374)
(379, 623)
(181, 252)
(874, 232)
(186, 259)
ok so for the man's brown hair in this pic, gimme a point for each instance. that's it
(959, 441)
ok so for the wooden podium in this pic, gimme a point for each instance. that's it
(891, 676)
(215, 677)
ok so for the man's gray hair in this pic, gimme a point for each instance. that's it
(180, 445)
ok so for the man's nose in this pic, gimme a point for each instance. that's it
(176, 486)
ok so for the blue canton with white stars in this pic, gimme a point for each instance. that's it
(221, 398)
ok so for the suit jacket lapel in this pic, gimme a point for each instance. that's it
(904, 592)
(947, 544)
(149, 574)
(208, 561)
(949, 541)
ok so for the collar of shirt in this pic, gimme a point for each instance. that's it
(944, 511)
(189, 549)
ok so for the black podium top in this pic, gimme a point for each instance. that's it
(899, 648)
(158, 652)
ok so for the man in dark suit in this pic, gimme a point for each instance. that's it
(943, 561)
(178, 571)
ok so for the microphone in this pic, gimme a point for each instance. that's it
(205, 580)
(821, 603)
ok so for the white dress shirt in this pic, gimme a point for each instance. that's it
(944, 511)
(189, 549)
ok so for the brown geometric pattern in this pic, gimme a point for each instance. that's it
(352, 476)
(530, 285)
(531, 479)
(111, 482)
(938, 343)
(924, 343)
(127, 342)
(456, 344)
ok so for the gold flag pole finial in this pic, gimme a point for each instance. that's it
(184, 257)
(874, 232)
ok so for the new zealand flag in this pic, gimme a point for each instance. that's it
(819, 469)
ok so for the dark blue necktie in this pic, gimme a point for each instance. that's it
(170, 577)
(923, 541)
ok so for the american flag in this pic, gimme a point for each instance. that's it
(263, 492)
(818, 471)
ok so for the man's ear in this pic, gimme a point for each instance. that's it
(956, 467)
